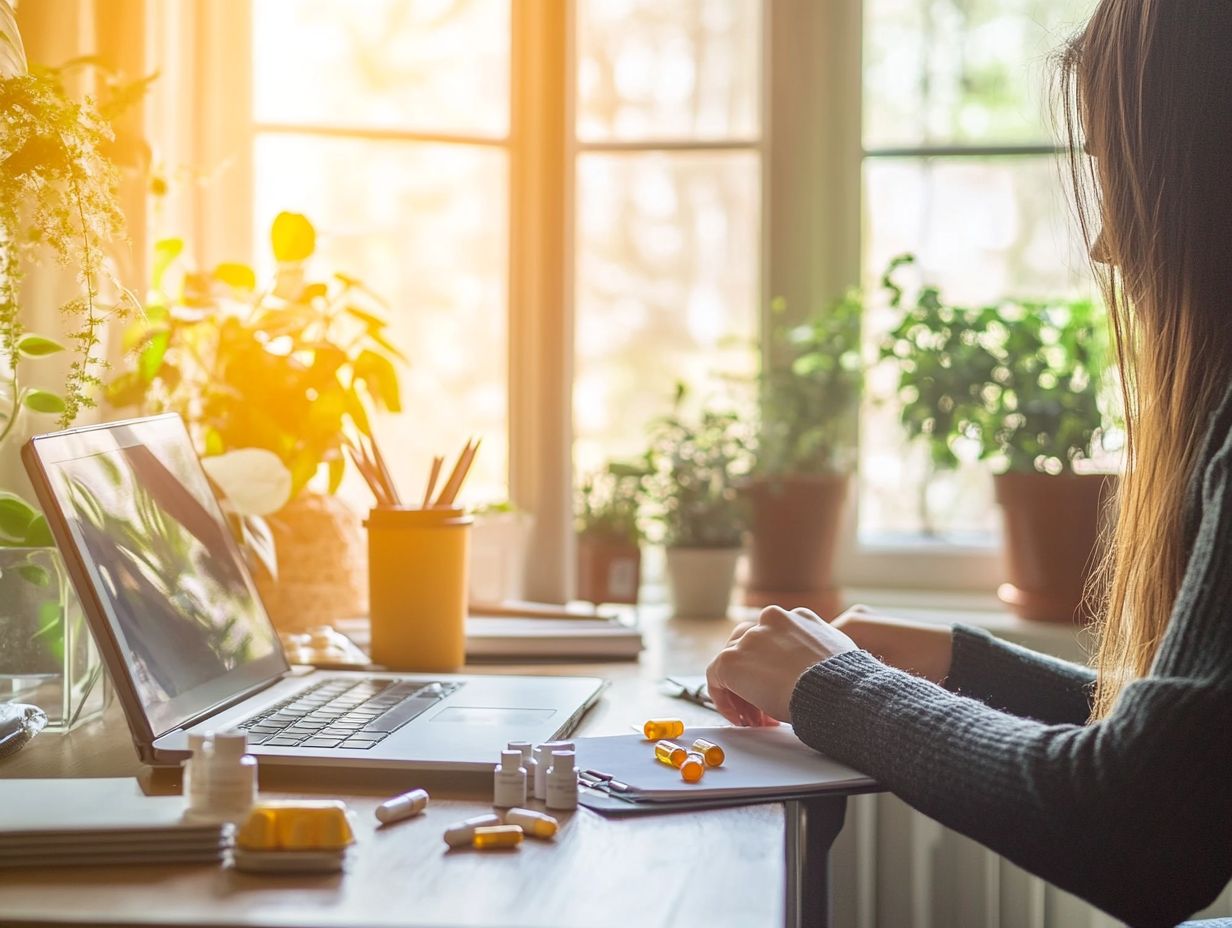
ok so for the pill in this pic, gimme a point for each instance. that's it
(535, 824)
(657, 729)
(496, 836)
(670, 753)
(712, 753)
(461, 834)
(404, 806)
(692, 769)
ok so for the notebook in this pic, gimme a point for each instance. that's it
(761, 764)
(65, 822)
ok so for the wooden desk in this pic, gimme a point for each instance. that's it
(736, 867)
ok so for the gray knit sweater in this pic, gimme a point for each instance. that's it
(1132, 813)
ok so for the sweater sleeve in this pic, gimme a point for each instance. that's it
(1131, 812)
(1017, 680)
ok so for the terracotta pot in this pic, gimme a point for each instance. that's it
(608, 572)
(322, 564)
(700, 580)
(794, 527)
(1052, 530)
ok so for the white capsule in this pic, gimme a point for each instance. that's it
(533, 823)
(460, 835)
(404, 806)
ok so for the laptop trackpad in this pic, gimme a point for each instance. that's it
(483, 715)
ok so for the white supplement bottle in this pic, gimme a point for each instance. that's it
(509, 788)
(196, 773)
(528, 761)
(543, 760)
(562, 788)
(232, 786)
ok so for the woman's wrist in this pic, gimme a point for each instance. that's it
(921, 648)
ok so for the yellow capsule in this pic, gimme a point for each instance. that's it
(535, 824)
(496, 836)
(692, 769)
(657, 729)
(712, 753)
(670, 753)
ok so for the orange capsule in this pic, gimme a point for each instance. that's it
(658, 729)
(693, 768)
(670, 753)
(711, 752)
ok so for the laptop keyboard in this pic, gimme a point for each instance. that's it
(346, 714)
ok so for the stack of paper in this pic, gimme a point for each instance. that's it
(74, 823)
(589, 638)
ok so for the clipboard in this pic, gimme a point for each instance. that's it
(619, 774)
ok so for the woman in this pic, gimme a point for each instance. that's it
(1114, 784)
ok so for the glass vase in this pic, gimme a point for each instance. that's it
(47, 655)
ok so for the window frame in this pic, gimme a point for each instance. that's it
(812, 156)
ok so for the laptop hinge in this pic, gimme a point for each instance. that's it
(228, 703)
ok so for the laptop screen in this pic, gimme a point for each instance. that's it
(171, 580)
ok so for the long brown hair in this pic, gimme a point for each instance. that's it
(1147, 87)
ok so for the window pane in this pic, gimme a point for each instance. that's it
(425, 227)
(689, 69)
(667, 288)
(429, 65)
(1014, 240)
(940, 72)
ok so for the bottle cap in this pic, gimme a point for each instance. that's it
(230, 743)
(562, 760)
(511, 760)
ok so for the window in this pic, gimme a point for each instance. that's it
(572, 204)
(667, 138)
(960, 169)
(388, 124)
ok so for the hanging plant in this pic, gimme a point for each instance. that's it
(58, 201)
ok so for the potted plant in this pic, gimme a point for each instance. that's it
(809, 394)
(295, 365)
(1023, 383)
(500, 539)
(57, 200)
(696, 462)
(609, 535)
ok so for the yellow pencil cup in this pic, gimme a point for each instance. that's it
(417, 578)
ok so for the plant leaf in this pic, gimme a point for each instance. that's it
(166, 250)
(38, 534)
(43, 401)
(240, 276)
(36, 346)
(379, 374)
(33, 573)
(253, 480)
(293, 237)
(15, 515)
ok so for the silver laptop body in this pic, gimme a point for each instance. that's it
(190, 648)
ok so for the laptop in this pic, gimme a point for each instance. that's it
(190, 647)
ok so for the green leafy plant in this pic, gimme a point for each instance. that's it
(296, 366)
(1022, 382)
(58, 202)
(696, 462)
(609, 503)
(810, 392)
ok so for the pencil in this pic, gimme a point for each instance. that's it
(435, 473)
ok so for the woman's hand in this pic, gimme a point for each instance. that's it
(751, 680)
